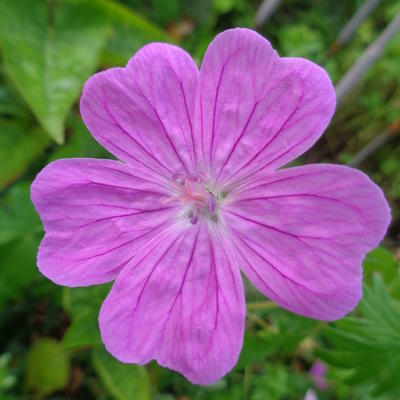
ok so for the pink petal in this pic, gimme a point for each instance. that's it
(255, 110)
(301, 235)
(144, 112)
(181, 303)
(97, 214)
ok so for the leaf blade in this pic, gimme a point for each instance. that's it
(49, 51)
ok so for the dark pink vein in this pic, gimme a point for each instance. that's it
(118, 125)
(153, 210)
(272, 228)
(120, 245)
(272, 139)
(179, 293)
(276, 269)
(148, 277)
(312, 195)
(238, 139)
(137, 160)
(190, 124)
(163, 128)
(214, 111)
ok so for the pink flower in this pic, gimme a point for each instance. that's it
(318, 375)
(310, 395)
(197, 197)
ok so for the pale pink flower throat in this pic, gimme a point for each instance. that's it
(197, 200)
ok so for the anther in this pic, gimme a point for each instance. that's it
(195, 216)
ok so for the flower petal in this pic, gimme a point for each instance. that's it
(301, 235)
(96, 214)
(144, 112)
(182, 304)
(255, 110)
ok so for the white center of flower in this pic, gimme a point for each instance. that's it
(197, 200)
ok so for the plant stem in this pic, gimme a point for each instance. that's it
(350, 28)
(265, 12)
(261, 305)
(367, 59)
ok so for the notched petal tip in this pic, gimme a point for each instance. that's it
(96, 214)
(182, 304)
(314, 77)
(238, 34)
(144, 113)
(319, 222)
(256, 111)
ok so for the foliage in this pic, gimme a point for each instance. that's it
(50, 345)
(20, 233)
(124, 382)
(20, 145)
(369, 346)
(7, 379)
(83, 304)
(47, 366)
(59, 43)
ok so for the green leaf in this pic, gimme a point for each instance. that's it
(48, 367)
(300, 40)
(7, 378)
(11, 104)
(50, 48)
(223, 6)
(17, 267)
(287, 331)
(83, 331)
(130, 31)
(381, 260)
(123, 43)
(20, 234)
(20, 144)
(83, 305)
(118, 12)
(76, 300)
(255, 349)
(278, 381)
(122, 381)
(368, 346)
(80, 143)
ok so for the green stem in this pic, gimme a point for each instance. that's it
(261, 305)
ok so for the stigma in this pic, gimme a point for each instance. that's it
(197, 201)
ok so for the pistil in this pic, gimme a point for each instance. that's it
(196, 200)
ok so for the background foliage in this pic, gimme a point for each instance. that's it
(49, 341)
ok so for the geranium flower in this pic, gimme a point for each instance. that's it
(318, 375)
(198, 197)
(310, 395)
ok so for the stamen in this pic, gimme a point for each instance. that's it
(211, 203)
(196, 199)
(195, 216)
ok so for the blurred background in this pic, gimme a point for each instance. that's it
(49, 342)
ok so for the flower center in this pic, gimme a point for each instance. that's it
(197, 200)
